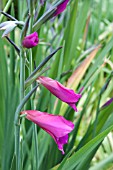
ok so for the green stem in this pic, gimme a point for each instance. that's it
(17, 126)
(22, 74)
(20, 106)
(35, 158)
(17, 146)
(17, 123)
(36, 165)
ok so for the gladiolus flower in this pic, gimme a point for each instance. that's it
(31, 40)
(61, 7)
(66, 95)
(56, 126)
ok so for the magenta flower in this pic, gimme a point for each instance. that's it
(57, 126)
(66, 95)
(108, 103)
(31, 40)
(61, 7)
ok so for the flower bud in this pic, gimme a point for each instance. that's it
(31, 40)
(61, 7)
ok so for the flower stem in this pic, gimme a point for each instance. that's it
(17, 122)
(17, 146)
(22, 74)
(36, 157)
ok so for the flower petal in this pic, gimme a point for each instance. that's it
(31, 40)
(66, 95)
(61, 7)
(57, 126)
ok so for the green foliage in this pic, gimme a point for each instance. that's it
(84, 30)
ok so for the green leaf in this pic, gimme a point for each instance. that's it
(81, 154)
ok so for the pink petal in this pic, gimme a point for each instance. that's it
(73, 106)
(31, 40)
(57, 126)
(61, 7)
(66, 95)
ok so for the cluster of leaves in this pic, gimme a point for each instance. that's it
(86, 60)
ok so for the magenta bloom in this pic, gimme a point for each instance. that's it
(57, 126)
(31, 40)
(66, 95)
(108, 103)
(61, 7)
